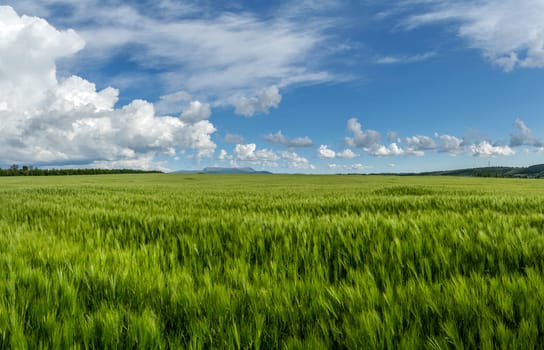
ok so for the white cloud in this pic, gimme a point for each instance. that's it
(195, 112)
(450, 144)
(485, 149)
(524, 136)
(280, 139)
(223, 56)
(370, 142)
(249, 152)
(295, 161)
(76, 93)
(405, 59)
(172, 103)
(47, 121)
(245, 152)
(392, 136)
(267, 155)
(358, 166)
(362, 138)
(420, 143)
(144, 162)
(325, 152)
(346, 154)
(249, 106)
(191, 111)
(29, 47)
(510, 33)
(384, 151)
(348, 167)
(223, 155)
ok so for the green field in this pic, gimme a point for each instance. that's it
(271, 261)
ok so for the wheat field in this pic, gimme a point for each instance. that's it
(271, 262)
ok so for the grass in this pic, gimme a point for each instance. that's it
(258, 261)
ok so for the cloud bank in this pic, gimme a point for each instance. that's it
(249, 154)
(370, 141)
(325, 152)
(67, 121)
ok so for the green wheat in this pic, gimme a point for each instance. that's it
(257, 261)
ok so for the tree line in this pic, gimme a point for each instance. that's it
(27, 170)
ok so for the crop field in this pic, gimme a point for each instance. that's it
(271, 261)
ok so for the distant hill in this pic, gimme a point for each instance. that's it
(533, 171)
(220, 170)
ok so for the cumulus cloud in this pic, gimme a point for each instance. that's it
(245, 152)
(420, 143)
(325, 152)
(295, 161)
(76, 93)
(195, 112)
(486, 149)
(370, 141)
(144, 162)
(280, 139)
(524, 136)
(172, 103)
(417, 145)
(223, 155)
(383, 151)
(510, 33)
(29, 47)
(249, 152)
(346, 154)
(47, 121)
(450, 144)
(249, 106)
(362, 138)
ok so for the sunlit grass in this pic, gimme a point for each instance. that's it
(200, 261)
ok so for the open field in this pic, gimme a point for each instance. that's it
(271, 261)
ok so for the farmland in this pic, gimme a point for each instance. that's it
(271, 261)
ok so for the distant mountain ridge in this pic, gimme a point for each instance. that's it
(533, 172)
(530, 172)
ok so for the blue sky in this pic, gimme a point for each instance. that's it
(316, 86)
